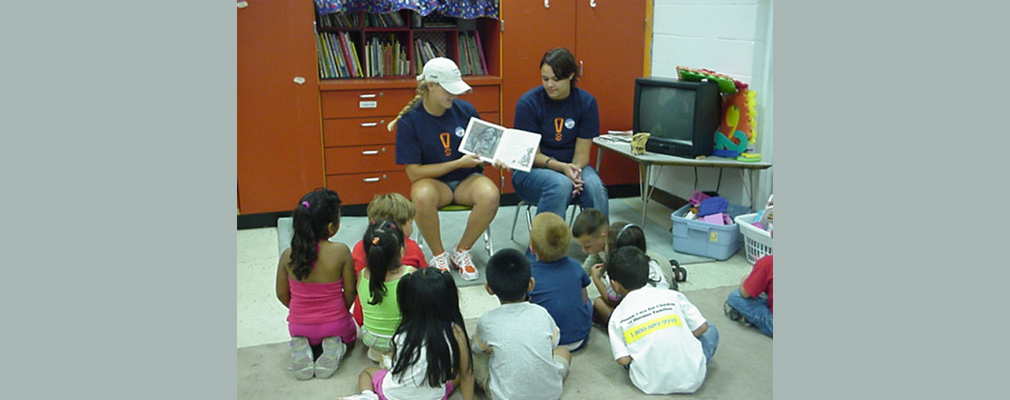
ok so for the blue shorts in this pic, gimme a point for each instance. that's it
(454, 184)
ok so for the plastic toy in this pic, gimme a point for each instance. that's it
(726, 84)
(736, 131)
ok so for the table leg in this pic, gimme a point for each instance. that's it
(599, 157)
(648, 186)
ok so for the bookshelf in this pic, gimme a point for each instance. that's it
(363, 45)
(390, 50)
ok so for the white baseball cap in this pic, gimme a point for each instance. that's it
(445, 72)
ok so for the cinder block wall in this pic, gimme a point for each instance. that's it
(732, 37)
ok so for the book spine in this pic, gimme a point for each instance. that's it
(320, 58)
(480, 53)
(347, 56)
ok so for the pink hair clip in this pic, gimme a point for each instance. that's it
(306, 204)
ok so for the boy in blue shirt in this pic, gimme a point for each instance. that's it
(561, 281)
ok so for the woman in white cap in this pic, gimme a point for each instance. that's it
(567, 118)
(429, 131)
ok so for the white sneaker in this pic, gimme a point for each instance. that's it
(366, 395)
(440, 261)
(301, 358)
(333, 352)
(462, 261)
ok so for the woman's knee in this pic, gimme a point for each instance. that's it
(425, 195)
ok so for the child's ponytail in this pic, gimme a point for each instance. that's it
(311, 219)
(382, 243)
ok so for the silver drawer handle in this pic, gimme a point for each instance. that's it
(369, 152)
(371, 179)
(369, 124)
(367, 96)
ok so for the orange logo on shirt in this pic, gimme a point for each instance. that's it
(558, 124)
(444, 137)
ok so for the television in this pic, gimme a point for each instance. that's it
(681, 117)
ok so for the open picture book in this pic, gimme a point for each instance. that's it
(514, 147)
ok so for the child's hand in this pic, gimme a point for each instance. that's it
(596, 270)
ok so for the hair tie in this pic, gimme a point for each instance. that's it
(622, 231)
(306, 204)
(375, 240)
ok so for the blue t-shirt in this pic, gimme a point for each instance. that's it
(558, 288)
(559, 122)
(422, 138)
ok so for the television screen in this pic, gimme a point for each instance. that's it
(665, 103)
(681, 117)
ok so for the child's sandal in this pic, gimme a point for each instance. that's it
(679, 273)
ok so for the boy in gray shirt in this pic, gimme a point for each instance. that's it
(515, 347)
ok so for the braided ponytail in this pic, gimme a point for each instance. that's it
(422, 90)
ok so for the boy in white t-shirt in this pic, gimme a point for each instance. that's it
(657, 334)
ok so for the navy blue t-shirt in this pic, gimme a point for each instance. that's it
(559, 122)
(559, 290)
(422, 138)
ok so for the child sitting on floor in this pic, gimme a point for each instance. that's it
(561, 281)
(515, 349)
(657, 334)
(378, 287)
(315, 281)
(432, 349)
(393, 207)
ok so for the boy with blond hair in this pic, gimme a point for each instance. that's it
(391, 207)
(561, 281)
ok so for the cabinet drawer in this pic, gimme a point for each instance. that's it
(349, 160)
(483, 98)
(364, 103)
(361, 188)
(357, 131)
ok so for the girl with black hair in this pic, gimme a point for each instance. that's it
(315, 281)
(377, 283)
(431, 345)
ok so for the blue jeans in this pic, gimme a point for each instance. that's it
(754, 309)
(709, 342)
(552, 191)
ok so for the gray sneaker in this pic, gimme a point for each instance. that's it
(734, 315)
(333, 352)
(301, 358)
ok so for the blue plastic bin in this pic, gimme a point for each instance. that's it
(707, 240)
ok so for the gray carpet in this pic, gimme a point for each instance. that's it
(740, 369)
(657, 233)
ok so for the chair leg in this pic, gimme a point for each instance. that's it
(487, 241)
(514, 220)
(529, 218)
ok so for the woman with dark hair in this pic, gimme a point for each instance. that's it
(567, 118)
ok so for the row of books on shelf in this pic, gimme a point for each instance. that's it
(337, 55)
(339, 20)
(424, 51)
(471, 56)
(386, 58)
(384, 20)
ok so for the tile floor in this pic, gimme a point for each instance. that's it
(261, 318)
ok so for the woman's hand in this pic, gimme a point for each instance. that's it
(468, 161)
(574, 173)
(500, 165)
